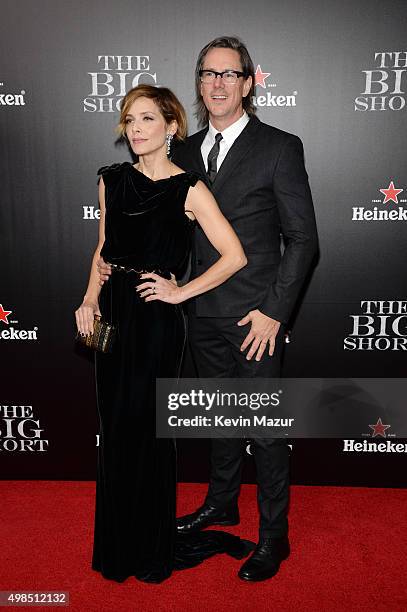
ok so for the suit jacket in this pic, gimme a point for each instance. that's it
(262, 189)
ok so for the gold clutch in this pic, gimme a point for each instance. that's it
(102, 337)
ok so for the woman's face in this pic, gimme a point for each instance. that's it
(146, 128)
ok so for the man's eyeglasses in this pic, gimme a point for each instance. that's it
(228, 76)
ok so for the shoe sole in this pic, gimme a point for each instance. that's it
(225, 523)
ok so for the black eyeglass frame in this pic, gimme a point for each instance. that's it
(237, 72)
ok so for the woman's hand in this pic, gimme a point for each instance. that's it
(84, 317)
(159, 288)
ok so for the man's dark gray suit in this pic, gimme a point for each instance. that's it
(262, 189)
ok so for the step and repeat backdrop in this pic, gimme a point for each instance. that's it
(332, 73)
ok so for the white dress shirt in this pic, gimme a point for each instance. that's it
(229, 136)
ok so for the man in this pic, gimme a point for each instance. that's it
(257, 175)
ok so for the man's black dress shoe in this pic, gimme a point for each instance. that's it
(265, 561)
(205, 516)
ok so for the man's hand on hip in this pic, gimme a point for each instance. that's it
(104, 270)
(263, 331)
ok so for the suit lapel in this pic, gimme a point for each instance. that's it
(243, 143)
(197, 155)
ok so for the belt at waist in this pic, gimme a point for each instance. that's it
(164, 273)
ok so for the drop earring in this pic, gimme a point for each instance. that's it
(168, 140)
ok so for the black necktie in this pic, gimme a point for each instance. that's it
(212, 158)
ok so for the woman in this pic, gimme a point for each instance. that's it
(146, 220)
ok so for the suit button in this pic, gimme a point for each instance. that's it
(199, 262)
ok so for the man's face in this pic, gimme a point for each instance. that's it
(224, 101)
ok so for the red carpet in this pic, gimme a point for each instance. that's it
(348, 553)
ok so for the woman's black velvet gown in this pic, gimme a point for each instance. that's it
(146, 229)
